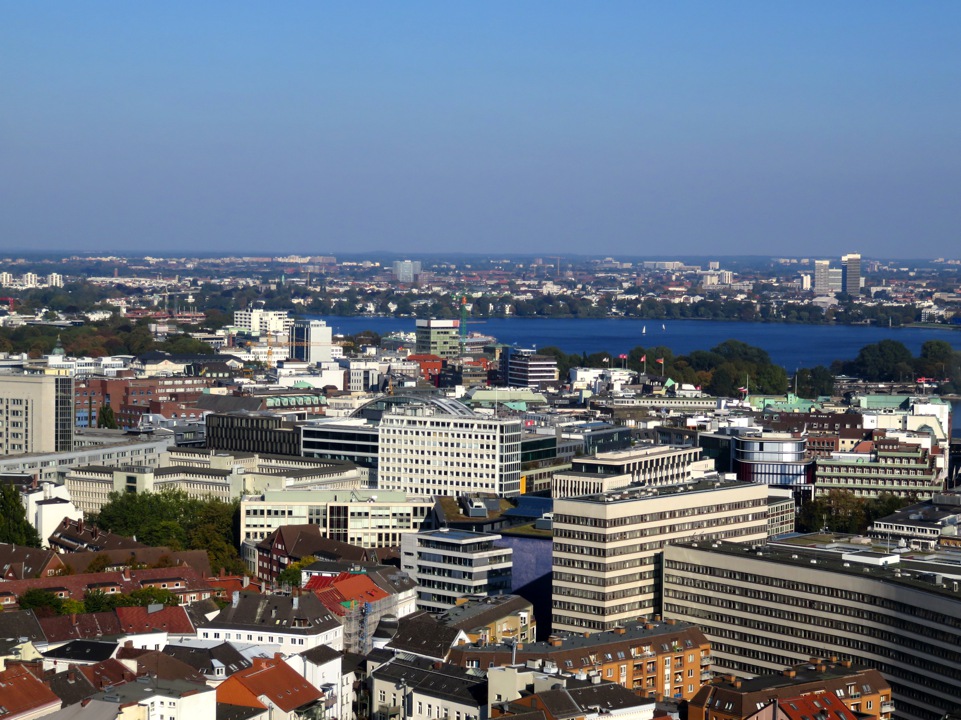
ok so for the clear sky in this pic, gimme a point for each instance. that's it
(641, 128)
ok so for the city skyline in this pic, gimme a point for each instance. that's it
(696, 129)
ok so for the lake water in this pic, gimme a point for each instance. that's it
(792, 346)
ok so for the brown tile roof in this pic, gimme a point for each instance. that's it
(197, 559)
(22, 693)
(107, 673)
(84, 626)
(127, 581)
(18, 562)
(173, 620)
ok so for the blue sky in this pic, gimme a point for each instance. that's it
(637, 128)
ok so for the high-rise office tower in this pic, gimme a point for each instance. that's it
(36, 414)
(311, 341)
(406, 271)
(822, 277)
(851, 279)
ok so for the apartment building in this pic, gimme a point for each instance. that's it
(258, 321)
(36, 414)
(493, 620)
(768, 608)
(431, 450)
(366, 518)
(668, 658)
(607, 547)
(448, 565)
(410, 688)
(647, 465)
(885, 465)
(835, 684)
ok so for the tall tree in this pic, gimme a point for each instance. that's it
(14, 527)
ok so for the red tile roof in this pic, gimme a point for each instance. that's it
(169, 619)
(84, 626)
(107, 673)
(22, 694)
(824, 706)
(192, 582)
(270, 678)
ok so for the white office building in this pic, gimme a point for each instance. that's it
(446, 449)
(607, 547)
(448, 565)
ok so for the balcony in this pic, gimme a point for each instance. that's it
(705, 676)
(887, 707)
(386, 712)
(705, 660)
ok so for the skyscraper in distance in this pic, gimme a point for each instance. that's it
(851, 279)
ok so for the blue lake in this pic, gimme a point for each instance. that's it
(792, 346)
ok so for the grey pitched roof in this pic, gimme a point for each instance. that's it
(438, 680)
(478, 613)
(206, 659)
(71, 686)
(424, 636)
(321, 654)
(304, 615)
(16, 624)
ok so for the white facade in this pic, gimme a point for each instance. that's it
(311, 341)
(256, 320)
(36, 414)
(425, 452)
(448, 565)
(606, 546)
(46, 506)
(366, 518)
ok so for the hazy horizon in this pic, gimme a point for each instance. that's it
(622, 129)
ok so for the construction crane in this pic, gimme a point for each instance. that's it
(9, 300)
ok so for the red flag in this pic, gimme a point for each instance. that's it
(643, 358)
(622, 356)
(661, 360)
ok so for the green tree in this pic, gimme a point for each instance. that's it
(14, 528)
(43, 602)
(291, 575)
(98, 601)
(106, 418)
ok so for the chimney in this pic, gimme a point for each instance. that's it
(245, 582)
(846, 663)
(296, 602)
(834, 658)
(648, 626)
(555, 641)
(125, 573)
(821, 667)
(235, 598)
(789, 672)
(73, 618)
(619, 631)
(737, 683)
(670, 621)
(438, 665)
(587, 634)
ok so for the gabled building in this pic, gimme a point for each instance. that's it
(271, 684)
(853, 690)
(493, 620)
(670, 659)
(408, 687)
(291, 543)
(294, 623)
